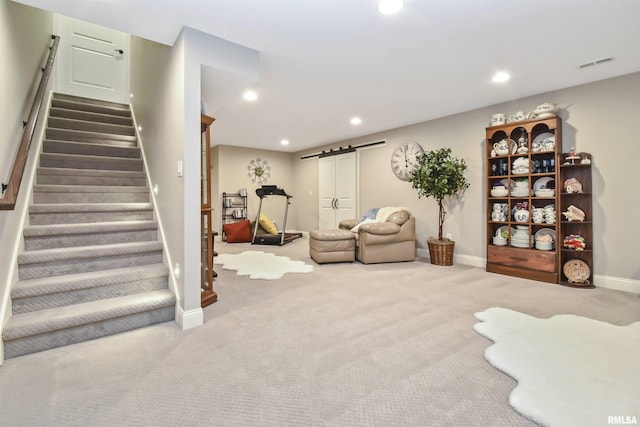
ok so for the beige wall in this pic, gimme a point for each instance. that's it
(25, 33)
(157, 80)
(230, 174)
(598, 118)
(165, 83)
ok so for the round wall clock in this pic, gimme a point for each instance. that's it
(259, 171)
(404, 159)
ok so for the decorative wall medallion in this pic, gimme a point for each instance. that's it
(259, 171)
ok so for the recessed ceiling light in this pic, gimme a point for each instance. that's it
(500, 77)
(250, 95)
(284, 142)
(389, 7)
(356, 121)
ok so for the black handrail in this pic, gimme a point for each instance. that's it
(13, 186)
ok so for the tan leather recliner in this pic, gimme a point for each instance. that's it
(392, 240)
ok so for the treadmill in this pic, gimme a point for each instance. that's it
(282, 238)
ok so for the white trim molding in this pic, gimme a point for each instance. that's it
(617, 283)
(605, 282)
(189, 319)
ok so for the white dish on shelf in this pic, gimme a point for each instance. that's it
(506, 231)
(544, 183)
(546, 231)
(499, 192)
(544, 246)
(499, 241)
(543, 141)
(545, 193)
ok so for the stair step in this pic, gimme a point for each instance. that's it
(71, 147)
(93, 108)
(57, 96)
(70, 113)
(60, 261)
(92, 264)
(63, 123)
(89, 212)
(80, 161)
(89, 194)
(68, 176)
(37, 237)
(42, 330)
(92, 137)
(50, 292)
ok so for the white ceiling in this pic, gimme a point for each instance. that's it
(324, 61)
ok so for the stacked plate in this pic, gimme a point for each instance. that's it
(520, 192)
(544, 187)
(545, 239)
(521, 238)
(499, 241)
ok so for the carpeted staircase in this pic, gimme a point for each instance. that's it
(92, 261)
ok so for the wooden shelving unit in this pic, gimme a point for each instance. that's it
(207, 295)
(517, 258)
(584, 201)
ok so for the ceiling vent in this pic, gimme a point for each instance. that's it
(597, 62)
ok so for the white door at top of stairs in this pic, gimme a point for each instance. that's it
(337, 188)
(93, 61)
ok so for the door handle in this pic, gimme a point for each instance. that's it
(120, 51)
(337, 206)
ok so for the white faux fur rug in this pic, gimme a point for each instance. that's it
(571, 370)
(261, 265)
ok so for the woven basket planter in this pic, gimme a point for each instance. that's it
(441, 251)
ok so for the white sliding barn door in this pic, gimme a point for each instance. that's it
(337, 188)
(90, 62)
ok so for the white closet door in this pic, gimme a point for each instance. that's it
(345, 186)
(337, 186)
(326, 191)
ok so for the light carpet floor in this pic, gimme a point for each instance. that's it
(345, 345)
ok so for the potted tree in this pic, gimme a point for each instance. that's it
(439, 175)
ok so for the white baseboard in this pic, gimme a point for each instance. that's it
(607, 282)
(189, 319)
(617, 283)
(472, 261)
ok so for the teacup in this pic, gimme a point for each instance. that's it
(499, 207)
(498, 119)
(497, 216)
